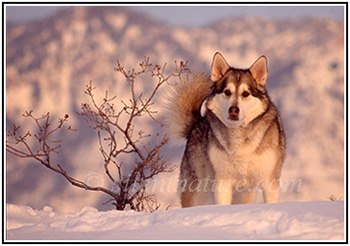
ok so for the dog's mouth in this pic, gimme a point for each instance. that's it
(234, 118)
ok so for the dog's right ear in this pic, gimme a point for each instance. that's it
(259, 70)
(219, 67)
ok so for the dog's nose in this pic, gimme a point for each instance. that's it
(233, 112)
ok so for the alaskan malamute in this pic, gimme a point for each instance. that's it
(235, 139)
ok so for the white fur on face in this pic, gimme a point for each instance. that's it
(220, 105)
(249, 107)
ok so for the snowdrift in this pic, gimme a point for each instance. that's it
(282, 221)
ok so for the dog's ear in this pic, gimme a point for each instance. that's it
(219, 67)
(259, 70)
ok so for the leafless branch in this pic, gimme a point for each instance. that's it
(116, 138)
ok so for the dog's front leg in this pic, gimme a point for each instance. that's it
(271, 191)
(223, 192)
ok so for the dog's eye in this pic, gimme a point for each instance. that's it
(245, 94)
(227, 93)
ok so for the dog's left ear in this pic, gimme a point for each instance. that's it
(259, 70)
(219, 67)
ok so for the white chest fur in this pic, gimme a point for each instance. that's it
(239, 160)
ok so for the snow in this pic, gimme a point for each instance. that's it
(117, 21)
(320, 220)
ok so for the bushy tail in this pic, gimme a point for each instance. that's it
(185, 103)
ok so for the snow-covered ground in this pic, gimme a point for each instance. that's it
(283, 221)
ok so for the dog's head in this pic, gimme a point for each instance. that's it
(238, 95)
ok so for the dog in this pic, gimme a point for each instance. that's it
(235, 140)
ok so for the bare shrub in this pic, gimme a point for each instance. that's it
(116, 138)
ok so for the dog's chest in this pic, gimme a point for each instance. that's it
(236, 160)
